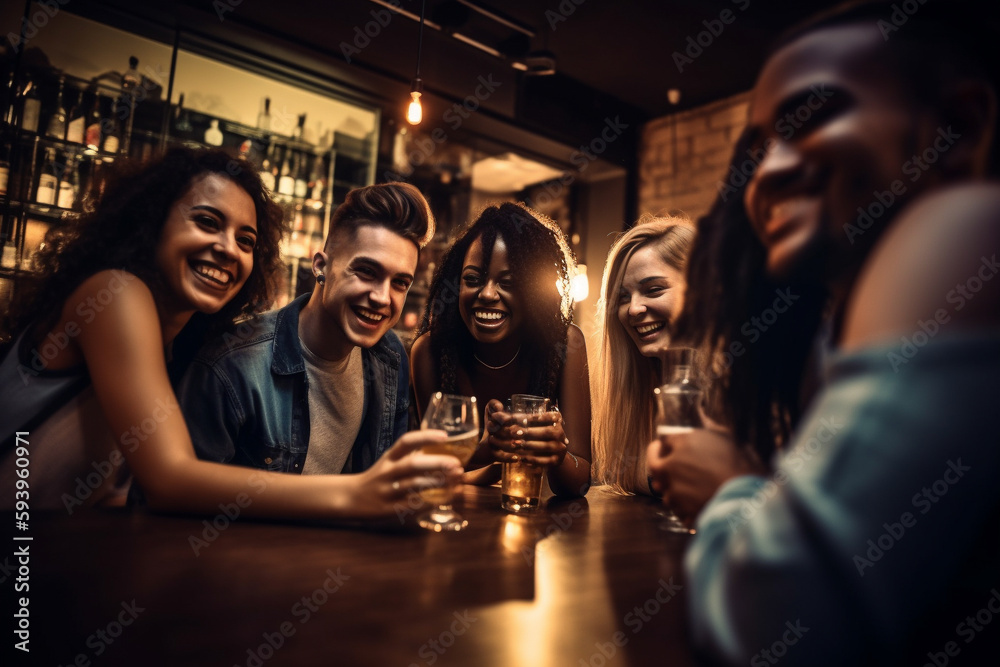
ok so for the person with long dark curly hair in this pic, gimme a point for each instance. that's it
(498, 322)
(190, 237)
(124, 232)
(847, 275)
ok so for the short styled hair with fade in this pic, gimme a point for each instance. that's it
(399, 207)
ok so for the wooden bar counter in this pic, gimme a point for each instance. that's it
(590, 581)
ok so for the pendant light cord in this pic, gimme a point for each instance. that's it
(420, 39)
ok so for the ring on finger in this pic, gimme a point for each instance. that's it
(395, 485)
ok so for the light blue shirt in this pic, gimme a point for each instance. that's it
(875, 519)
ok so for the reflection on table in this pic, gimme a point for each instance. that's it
(575, 583)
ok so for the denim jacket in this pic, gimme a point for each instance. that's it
(245, 396)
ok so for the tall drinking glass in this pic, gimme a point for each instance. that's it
(521, 483)
(456, 416)
(678, 411)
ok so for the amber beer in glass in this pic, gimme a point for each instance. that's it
(457, 416)
(462, 446)
(521, 485)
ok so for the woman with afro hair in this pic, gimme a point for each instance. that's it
(498, 322)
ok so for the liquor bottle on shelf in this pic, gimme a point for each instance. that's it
(182, 122)
(301, 181)
(130, 82)
(47, 179)
(286, 184)
(264, 117)
(274, 175)
(244, 150)
(56, 128)
(213, 135)
(4, 169)
(9, 259)
(112, 131)
(131, 78)
(317, 180)
(31, 105)
(69, 186)
(77, 121)
(266, 176)
(300, 128)
(10, 99)
(92, 133)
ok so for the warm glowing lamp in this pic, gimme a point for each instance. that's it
(415, 112)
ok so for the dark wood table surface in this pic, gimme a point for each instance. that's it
(590, 581)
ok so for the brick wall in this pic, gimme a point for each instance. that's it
(705, 137)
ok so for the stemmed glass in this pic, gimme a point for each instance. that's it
(678, 411)
(457, 416)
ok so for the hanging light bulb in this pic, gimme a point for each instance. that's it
(415, 112)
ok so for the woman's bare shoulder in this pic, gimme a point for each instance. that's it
(421, 361)
(576, 342)
(107, 289)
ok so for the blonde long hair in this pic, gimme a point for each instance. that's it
(623, 382)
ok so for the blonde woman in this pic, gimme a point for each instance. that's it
(642, 295)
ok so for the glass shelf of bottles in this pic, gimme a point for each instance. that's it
(60, 176)
(59, 132)
(306, 179)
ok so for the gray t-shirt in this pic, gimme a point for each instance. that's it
(336, 403)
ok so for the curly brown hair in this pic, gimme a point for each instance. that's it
(123, 232)
(542, 262)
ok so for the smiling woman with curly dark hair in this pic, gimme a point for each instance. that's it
(191, 236)
(498, 322)
(123, 233)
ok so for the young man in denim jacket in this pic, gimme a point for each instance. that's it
(321, 385)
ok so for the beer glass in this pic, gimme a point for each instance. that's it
(678, 411)
(456, 416)
(521, 484)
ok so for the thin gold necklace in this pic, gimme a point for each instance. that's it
(496, 368)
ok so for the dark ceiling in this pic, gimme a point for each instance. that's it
(622, 49)
(626, 49)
